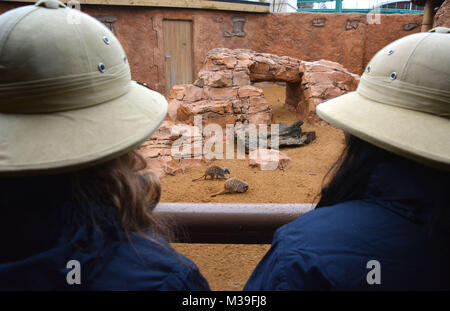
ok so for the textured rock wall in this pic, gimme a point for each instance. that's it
(344, 38)
(322, 80)
(157, 151)
(442, 17)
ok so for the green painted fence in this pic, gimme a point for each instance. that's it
(339, 9)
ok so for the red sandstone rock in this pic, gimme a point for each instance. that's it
(177, 92)
(222, 93)
(442, 17)
(241, 78)
(212, 111)
(214, 79)
(248, 91)
(230, 62)
(164, 132)
(268, 159)
(186, 92)
(158, 150)
(244, 63)
(172, 110)
(322, 80)
(269, 67)
(257, 104)
(261, 117)
(193, 93)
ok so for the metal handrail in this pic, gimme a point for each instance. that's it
(228, 223)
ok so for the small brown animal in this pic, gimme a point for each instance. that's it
(233, 185)
(214, 171)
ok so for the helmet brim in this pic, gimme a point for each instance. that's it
(72, 140)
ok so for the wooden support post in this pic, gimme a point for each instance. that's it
(427, 22)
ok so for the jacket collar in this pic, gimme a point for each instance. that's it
(406, 188)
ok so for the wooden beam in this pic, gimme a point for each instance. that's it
(187, 4)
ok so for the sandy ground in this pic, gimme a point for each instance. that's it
(227, 267)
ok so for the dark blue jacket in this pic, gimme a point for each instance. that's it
(35, 253)
(329, 248)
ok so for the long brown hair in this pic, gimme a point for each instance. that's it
(125, 184)
(348, 178)
(118, 191)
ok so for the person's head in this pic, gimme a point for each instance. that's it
(71, 118)
(399, 113)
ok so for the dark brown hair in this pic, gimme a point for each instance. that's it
(118, 191)
(125, 184)
(349, 176)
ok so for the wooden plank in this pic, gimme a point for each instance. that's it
(178, 52)
(189, 4)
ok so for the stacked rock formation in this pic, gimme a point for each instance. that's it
(223, 94)
(226, 105)
(321, 80)
(442, 17)
(166, 153)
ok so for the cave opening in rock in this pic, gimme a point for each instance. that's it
(283, 98)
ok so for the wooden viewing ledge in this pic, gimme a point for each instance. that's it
(229, 223)
(240, 6)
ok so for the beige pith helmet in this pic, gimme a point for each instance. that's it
(402, 103)
(66, 96)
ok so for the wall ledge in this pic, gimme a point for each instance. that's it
(241, 6)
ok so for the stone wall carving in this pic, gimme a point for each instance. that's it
(238, 27)
(108, 21)
(318, 22)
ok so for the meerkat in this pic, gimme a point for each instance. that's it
(233, 185)
(214, 171)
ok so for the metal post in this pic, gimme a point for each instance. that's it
(338, 5)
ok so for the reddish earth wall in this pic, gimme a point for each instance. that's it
(343, 38)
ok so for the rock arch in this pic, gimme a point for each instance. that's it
(223, 93)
